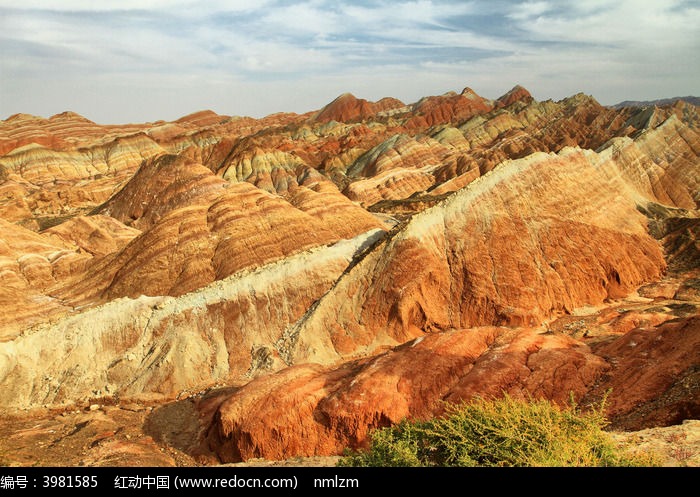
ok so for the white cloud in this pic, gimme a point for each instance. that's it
(420, 15)
(164, 59)
(529, 10)
(301, 18)
(115, 5)
(96, 47)
(625, 22)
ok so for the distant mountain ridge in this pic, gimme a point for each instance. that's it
(662, 101)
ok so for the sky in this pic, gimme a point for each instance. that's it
(136, 61)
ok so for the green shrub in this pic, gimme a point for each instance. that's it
(501, 432)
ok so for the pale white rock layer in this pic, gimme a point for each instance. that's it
(159, 347)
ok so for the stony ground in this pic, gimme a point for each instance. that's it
(138, 435)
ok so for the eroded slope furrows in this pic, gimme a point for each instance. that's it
(659, 383)
(199, 228)
(170, 257)
(160, 347)
(533, 239)
(66, 165)
(315, 410)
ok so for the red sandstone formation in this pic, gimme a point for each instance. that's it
(353, 266)
(311, 410)
(447, 108)
(348, 108)
(654, 379)
(516, 94)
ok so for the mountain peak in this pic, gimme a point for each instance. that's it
(346, 107)
(515, 94)
(345, 96)
(202, 118)
(469, 93)
(21, 117)
(69, 115)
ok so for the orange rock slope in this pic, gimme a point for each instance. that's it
(353, 266)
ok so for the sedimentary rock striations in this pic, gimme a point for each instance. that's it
(353, 266)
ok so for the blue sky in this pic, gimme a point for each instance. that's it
(143, 60)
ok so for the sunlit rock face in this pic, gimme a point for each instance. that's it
(580, 241)
(353, 266)
(314, 410)
(347, 108)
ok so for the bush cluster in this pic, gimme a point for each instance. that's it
(500, 432)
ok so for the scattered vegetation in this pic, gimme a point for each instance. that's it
(501, 432)
(51, 221)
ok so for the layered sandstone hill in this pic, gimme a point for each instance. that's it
(346, 268)
(538, 246)
(322, 410)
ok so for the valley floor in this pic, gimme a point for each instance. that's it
(136, 436)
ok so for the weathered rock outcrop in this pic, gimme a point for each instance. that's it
(455, 265)
(314, 410)
(655, 378)
(346, 268)
(159, 347)
(348, 108)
